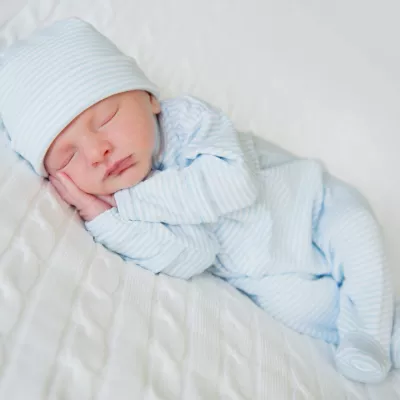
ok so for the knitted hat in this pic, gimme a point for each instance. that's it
(50, 78)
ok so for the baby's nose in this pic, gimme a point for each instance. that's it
(97, 151)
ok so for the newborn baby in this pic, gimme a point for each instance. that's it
(174, 187)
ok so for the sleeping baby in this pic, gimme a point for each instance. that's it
(173, 187)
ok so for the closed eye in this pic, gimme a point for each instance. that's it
(67, 160)
(109, 118)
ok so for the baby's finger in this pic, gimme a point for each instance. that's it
(76, 196)
(68, 184)
(60, 189)
(56, 183)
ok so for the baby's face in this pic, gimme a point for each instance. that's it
(109, 146)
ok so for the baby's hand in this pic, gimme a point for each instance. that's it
(88, 206)
(109, 199)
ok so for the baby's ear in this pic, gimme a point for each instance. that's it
(155, 104)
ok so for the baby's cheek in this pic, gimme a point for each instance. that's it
(82, 180)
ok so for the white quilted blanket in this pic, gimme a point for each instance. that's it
(77, 323)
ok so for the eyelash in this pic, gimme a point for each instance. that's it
(68, 160)
(109, 118)
(105, 122)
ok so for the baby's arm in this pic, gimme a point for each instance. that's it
(182, 252)
(213, 177)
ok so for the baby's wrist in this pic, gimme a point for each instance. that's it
(93, 211)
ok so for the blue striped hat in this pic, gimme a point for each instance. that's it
(54, 75)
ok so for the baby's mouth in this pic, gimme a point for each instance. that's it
(119, 166)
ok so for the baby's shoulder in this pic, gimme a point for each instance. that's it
(186, 108)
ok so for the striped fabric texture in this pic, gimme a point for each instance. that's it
(302, 245)
(54, 75)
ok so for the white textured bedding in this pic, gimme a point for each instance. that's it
(78, 323)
